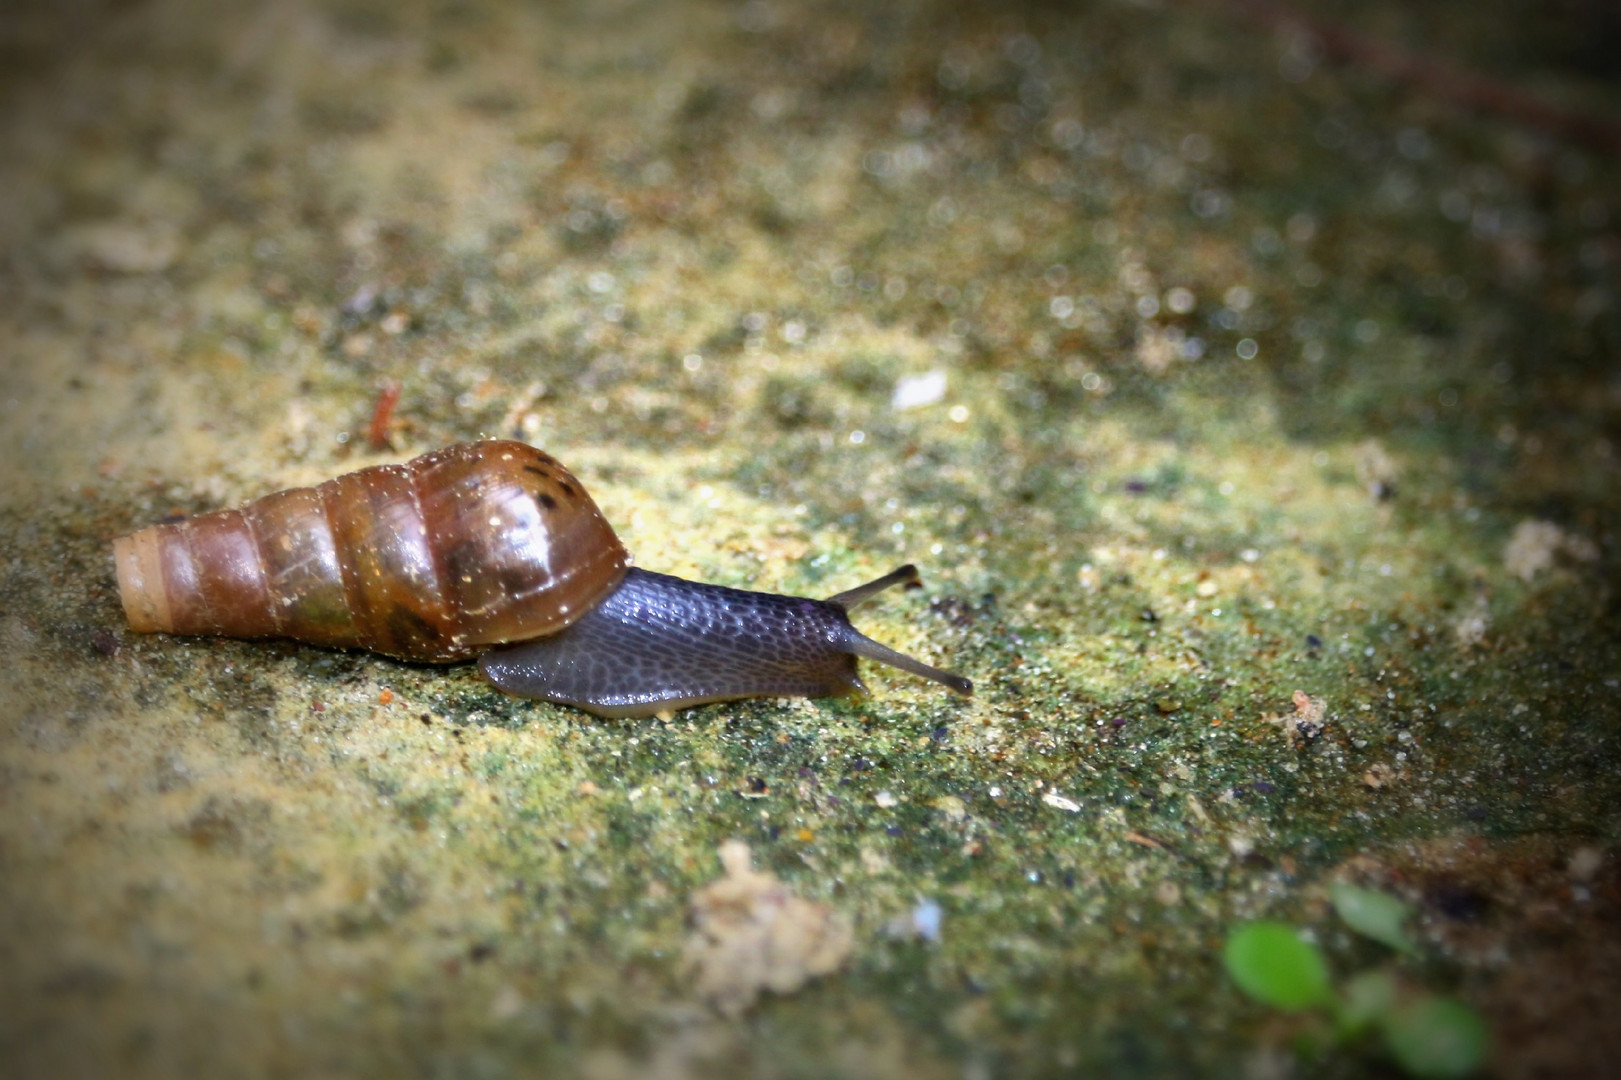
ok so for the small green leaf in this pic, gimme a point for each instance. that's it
(1364, 1001)
(1372, 914)
(1436, 1038)
(1271, 964)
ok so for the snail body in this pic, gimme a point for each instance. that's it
(491, 549)
(661, 642)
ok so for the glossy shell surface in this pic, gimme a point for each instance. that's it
(435, 559)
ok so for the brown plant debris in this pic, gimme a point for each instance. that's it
(750, 934)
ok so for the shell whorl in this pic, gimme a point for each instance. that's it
(434, 560)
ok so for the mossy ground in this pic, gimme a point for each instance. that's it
(1254, 364)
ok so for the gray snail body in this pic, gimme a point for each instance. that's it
(494, 550)
(661, 642)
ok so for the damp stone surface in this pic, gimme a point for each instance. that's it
(1249, 405)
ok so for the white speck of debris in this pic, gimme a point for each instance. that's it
(885, 799)
(1052, 798)
(1240, 845)
(1472, 626)
(926, 919)
(916, 391)
(1585, 863)
(1535, 544)
(1531, 549)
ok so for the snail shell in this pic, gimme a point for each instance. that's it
(436, 559)
(481, 545)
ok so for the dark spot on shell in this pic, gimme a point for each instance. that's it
(536, 469)
(463, 559)
(407, 629)
(568, 488)
(546, 501)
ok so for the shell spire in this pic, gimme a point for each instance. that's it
(436, 559)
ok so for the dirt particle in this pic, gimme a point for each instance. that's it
(750, 935)
(1536, 545)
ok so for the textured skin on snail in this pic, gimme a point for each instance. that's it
(482, 545)
(436, 559)
(660, 642)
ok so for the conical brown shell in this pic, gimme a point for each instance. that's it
(436, 559)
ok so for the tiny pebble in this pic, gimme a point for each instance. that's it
(926, 920)
(916, 391)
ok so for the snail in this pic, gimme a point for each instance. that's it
(492, 549)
